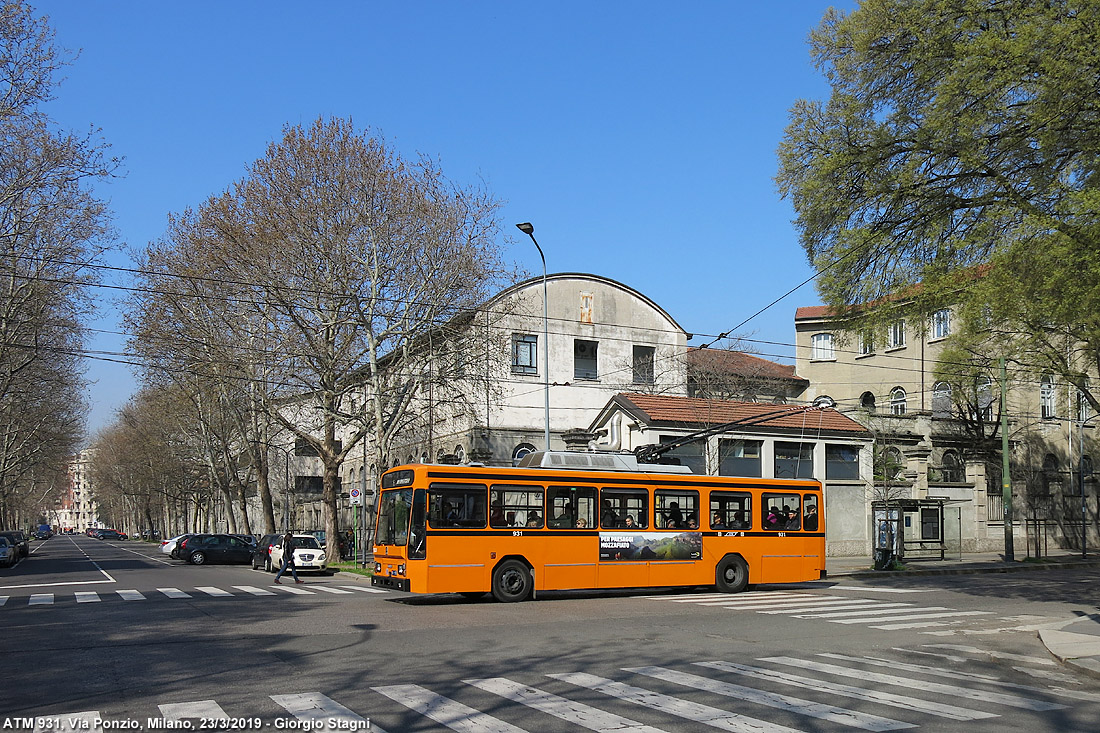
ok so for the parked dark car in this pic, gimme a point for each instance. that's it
(109, 534)
(18, 540)
(200, 549)
(261, 553)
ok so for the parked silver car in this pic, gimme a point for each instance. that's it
(8, 553)
(171, 547)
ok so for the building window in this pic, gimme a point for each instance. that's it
(794, 460)
(841, 462)
(821, 347)
(867, 402)
(584, 359)
(897, 401)
(644, 364)
(941, 324)
(984, 392)
(693, 454)
(524, 354)
(520, 451)
(460, 454)
(1046, 397)
(941, 400)
(895, 336)
(866, 343)
(1084, 410)
(952, 470)
(739, 458)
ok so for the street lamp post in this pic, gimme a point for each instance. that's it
(286, 486)
(529, 229)
(1081, 482)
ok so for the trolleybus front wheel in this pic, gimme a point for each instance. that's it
(732, 574)
(511, 581)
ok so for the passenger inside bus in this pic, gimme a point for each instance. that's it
(533, 520)
(629, 522)
(582, 523)
(792, 520)
(716, 521)
(739, 521)
(811, 518)
(675, 516)
(608, 517)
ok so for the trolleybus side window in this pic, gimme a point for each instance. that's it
(418, 531)
(394, 511)
(781, 511)
(811, 520)
(570, 507)
(675, 509)
(730, 510)
(624, 508)
(456, 505)
(515, 506)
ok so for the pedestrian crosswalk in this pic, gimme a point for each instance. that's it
(875, 613)
(767, 694)
(204, 591)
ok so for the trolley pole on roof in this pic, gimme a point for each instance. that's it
(529, 229)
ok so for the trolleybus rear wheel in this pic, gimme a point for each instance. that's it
(511, 581)
(732, 574)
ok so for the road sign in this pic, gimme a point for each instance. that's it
(356, 497)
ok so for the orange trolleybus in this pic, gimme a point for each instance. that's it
(565, 520)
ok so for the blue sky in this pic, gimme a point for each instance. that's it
(638, 137)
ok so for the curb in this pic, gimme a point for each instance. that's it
(1016, 567)
(1062, 645)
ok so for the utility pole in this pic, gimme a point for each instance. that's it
(1006, 482)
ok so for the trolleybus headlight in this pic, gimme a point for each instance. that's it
(378, 567)
(401, 569)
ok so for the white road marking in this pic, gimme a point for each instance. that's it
(295, 591)
(871, 609)
(823, 711)
(216, 592)
(363, 589)
(971, 676)
(874, 589)
(87, 597)
(330, 589)
(174, 593)
(323, 713)
(995, 655)
(3, 600)
(66, 722)
(942, 710)
(561, 708)
(1017, 701)
(254, 590)
(207, 709)
(714, 717)
(850, 604)
(443, 710)
(130, 595)
(40, 599)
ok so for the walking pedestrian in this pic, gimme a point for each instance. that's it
(288, 559)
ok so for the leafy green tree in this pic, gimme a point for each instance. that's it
(960, 149)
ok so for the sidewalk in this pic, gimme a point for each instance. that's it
(1076, 645)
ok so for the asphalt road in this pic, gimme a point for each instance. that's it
(116, 631)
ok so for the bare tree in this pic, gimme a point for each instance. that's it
(52, 229)
(314, 280)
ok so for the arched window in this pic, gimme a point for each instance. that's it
(520, 451)
(867, 401)
(1086, 467)
(1046, 397)
(1084, 409)
(897, 401)
(440, 456)
(460, 454)
(983, 391)
(891, 464)
(952, 468)
(424, 457)
(1052, 475)
(941, 400)
(941, 324)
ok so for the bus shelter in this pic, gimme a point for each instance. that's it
(914, 529)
